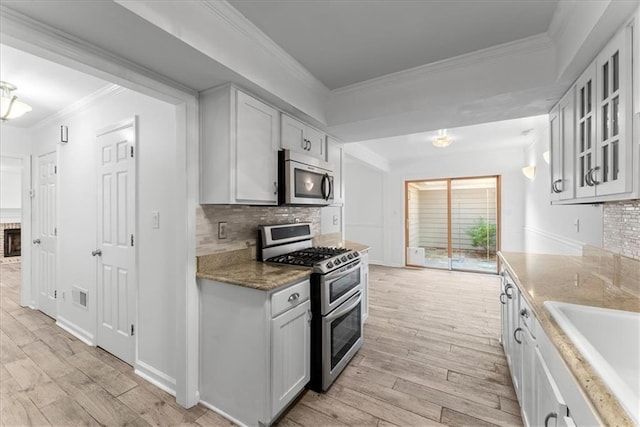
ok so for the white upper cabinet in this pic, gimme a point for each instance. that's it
(335, 157)
(603, 165)
(300, 137)
(562, 141)
(239, 149)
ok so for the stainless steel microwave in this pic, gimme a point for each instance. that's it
(304, 180)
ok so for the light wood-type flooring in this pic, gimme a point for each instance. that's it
(431, 357)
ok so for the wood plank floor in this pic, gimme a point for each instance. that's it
(431, 357)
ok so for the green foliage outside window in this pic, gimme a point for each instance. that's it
(482, 234)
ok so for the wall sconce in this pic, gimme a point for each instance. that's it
(529, 172)
(64, 134)
(546, 156)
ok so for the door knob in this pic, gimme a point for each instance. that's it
(97, 252)
(36, 242)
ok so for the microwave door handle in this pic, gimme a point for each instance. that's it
(329, 196)
(344, 308)
(325, 177)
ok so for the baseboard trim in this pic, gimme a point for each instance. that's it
(76, 331)
(222, 413)
(155, 377)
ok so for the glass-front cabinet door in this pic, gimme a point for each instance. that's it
(614, 89)
(585, 143)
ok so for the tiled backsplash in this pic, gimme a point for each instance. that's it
(242, 224)
(621, 228)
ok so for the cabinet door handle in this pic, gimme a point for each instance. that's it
(554, 186)
(586, 178)
(275, 188)
(548, 417)
(591, 177)
(501, 300)
(293, 297)
(515, 335)
(524, 313)
(308, 145)
(506, 290)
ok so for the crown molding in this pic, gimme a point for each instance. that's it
(20, 29)
(248, 29)
(522, 46)
(86, 102)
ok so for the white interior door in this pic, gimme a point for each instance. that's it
(44, 233)
(115, 254)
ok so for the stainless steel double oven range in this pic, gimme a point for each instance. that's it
(336, 296)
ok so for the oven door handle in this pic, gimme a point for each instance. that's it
(346, 307)
(339, 273)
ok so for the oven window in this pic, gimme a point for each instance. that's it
(341, 286)
(308, 184)
(345, 331)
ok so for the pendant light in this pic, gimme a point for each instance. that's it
(10, 107)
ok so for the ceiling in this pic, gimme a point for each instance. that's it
(506, 134)
(46, 86)
(342, 42)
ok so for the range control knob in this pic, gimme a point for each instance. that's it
(329, 264)
(337, 261)
(344, 258)
(350, 256)
(356, 254)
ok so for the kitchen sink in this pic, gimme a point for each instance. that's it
(610, 341)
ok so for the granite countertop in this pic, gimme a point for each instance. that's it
(598, 279)
(237, 268)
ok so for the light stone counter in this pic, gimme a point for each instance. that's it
(599, 279)
(335, 240)
(237, 268)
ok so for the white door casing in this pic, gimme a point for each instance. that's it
(116, 259)
(45, 232)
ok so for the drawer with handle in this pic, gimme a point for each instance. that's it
(289, 297)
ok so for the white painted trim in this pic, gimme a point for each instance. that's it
(222, 413)
(527, 45)
(558, 25)
(248, 29)
(86, 102)
(571, 244)
(121, 125)
(76, 331)
(159, 379)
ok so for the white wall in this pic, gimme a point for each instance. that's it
(550, 228)
(364, 207)
(156, 191)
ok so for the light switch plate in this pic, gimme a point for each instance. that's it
(222, 230)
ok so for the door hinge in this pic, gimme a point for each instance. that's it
(132, 151)
(55, 169)
(55, 294)
(132, 330)
(132, 240)
(55, 231)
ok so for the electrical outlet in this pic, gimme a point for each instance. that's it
(335, 220)
(155, 219)
(222, 230)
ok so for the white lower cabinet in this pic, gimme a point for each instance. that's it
(290, 346)
(547, 392)
(254, 349)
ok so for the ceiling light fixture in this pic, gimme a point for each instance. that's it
(10, 107)
(442, 140)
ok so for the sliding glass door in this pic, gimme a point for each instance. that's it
(453, 223)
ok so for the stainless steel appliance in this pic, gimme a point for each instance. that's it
(336, 296)
(304, 180)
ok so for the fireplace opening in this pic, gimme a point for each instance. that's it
(12, 242)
